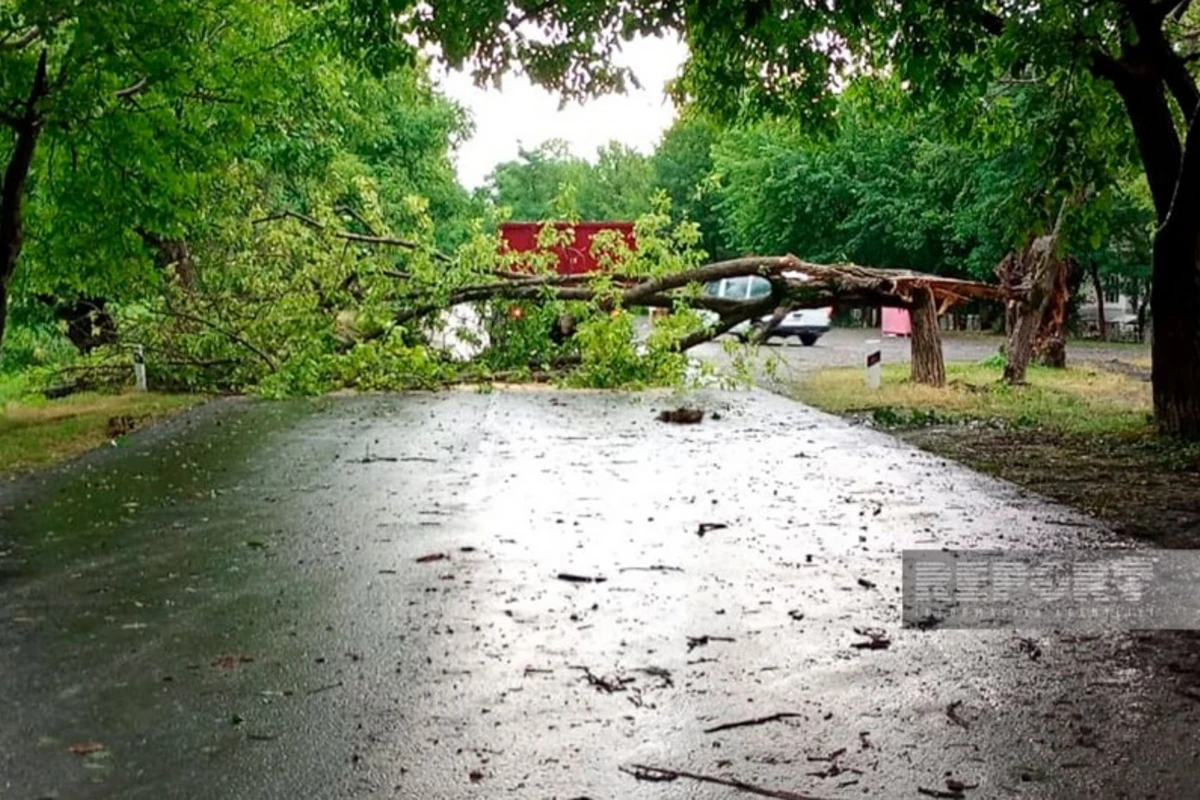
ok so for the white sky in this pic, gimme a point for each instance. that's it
(521, 114)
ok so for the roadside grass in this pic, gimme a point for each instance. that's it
(1081, 399)
(35, 431)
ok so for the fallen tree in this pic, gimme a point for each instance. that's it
(795, 284)
(291, 304)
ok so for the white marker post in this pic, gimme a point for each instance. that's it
(874, 357)
(139, 367)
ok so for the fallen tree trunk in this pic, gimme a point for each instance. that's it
(796, 284)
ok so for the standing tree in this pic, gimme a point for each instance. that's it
(757, 56)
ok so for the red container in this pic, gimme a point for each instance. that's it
(574, 259)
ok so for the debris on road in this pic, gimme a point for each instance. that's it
(946, 795)
(229, 660)
(681, 416)
(746, 723)
(642, 772)
(432, 557)
(1029, 647)
(796, 614)
(652, 568)
(701, 641)
(928, 622)
(866, 584)
(952, 715)
(661, 673)
(371, 459)
(705, 527)
(606, 685)
(876, 639)
(572, 578)
(85, 748)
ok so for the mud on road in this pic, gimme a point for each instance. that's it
(402, 597)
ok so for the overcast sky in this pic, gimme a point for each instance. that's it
(521, 114)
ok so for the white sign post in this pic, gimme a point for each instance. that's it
(874, 357)
(139, 367)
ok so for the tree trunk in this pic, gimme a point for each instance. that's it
(1175, 349)
(173, 254)
(1101, 323)
(1173, 173)
(26, 128)
(928, 364)
(1039, 271)
(3, 312)
(1050, 343)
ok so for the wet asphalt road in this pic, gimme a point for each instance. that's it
(234, 607)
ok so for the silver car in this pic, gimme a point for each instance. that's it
(807, 324)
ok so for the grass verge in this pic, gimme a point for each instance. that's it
(1080, 399)
(35, 432)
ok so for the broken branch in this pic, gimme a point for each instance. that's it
(642, 772)
(746, 723)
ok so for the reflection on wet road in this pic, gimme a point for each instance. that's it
(381, 596)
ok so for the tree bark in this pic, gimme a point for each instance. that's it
(1173, 173)
(1101, 322)
(1175, 349)
(928, 363)
(1050, 343)
(1041, 270)
(26, 128)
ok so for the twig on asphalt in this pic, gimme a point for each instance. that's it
(659, 774)
(324, 688)
(572, 578)
(952, 715)
(652, 568)
(940, 793)
(606, 685)
(746, 723)
(701, 641)
(876, 639)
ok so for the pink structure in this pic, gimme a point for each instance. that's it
(896, 322)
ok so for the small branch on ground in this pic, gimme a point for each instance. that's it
(750, 722)
(572, 578)
(702, 641)
(642, 772)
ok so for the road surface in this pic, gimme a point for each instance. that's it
(249, 602)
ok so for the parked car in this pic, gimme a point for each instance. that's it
(808, 325)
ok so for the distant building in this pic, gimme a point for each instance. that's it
(1120, 313)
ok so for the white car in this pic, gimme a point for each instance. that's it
(807, 324)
